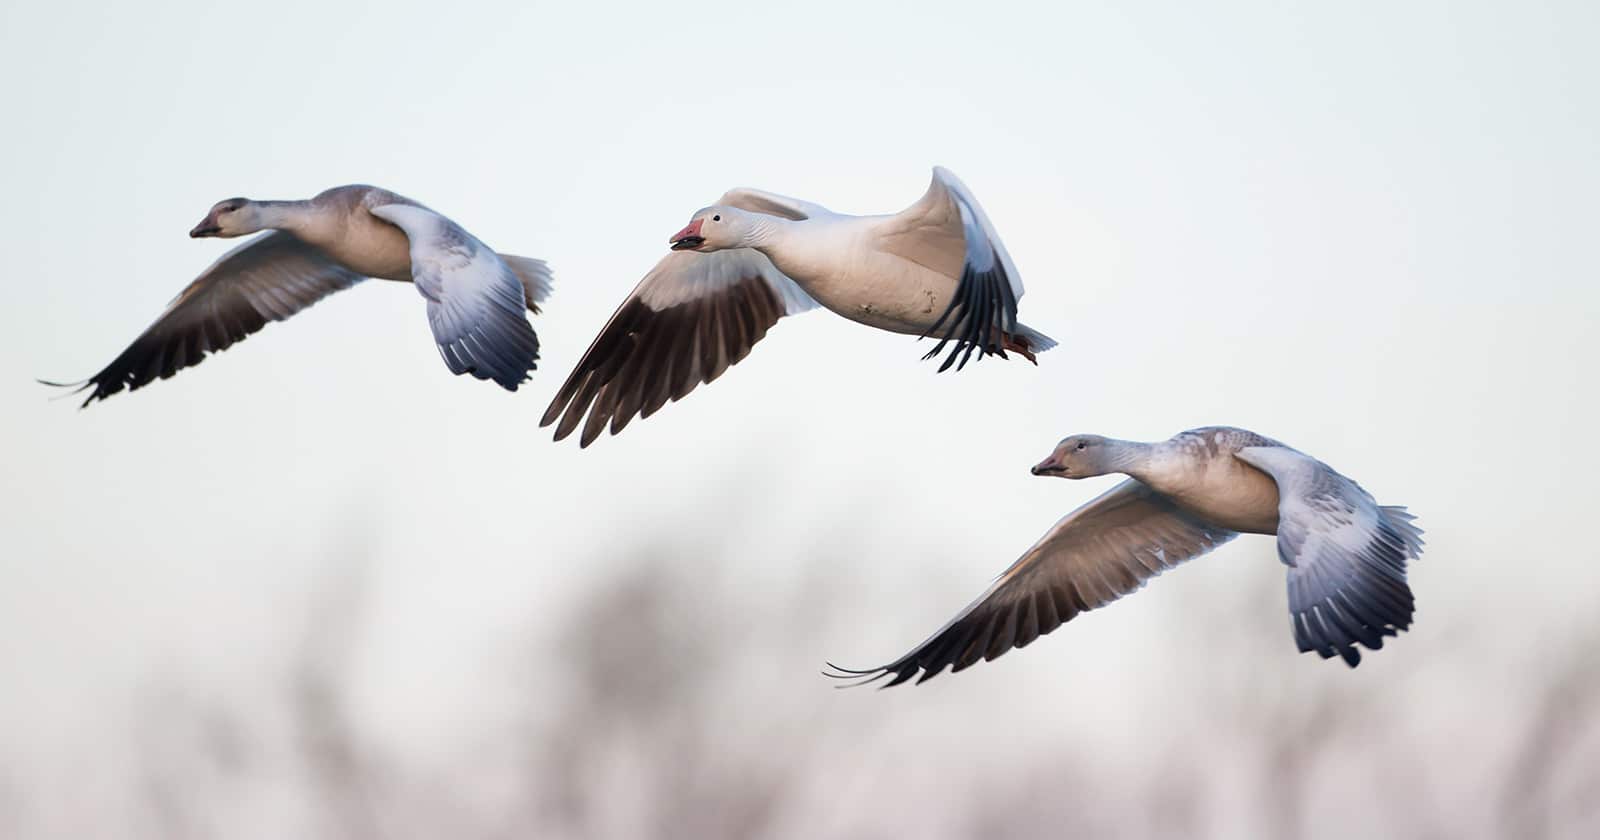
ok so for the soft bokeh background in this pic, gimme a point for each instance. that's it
(318, 587)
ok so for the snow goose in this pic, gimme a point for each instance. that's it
(1346, 555)
(935, 269)
(316, 247)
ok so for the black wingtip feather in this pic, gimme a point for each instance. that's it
(982, 309)
(77, 388)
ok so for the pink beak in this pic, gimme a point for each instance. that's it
(687, 238)
(207, 227)
(1049, 466)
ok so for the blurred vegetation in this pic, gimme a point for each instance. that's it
(627, 735)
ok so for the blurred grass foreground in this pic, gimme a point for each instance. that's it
(664, 704)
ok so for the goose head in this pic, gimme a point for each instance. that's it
(228, 218)
(715, 229)
(1080, 456)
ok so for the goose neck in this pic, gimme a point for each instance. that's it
(1132, 458)
(765, 232)
(280, 215)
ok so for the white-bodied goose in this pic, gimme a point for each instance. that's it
(1346, 553)
(317, 247)
(935, 269)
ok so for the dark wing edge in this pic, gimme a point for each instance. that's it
(982, 312)
(234, 298)
(1040, 592)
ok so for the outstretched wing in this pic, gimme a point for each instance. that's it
(1346, 555)
(268, 278)
(475, 300)
(691, 318)
(947, 231)
(1093, 556)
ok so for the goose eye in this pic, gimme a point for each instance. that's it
(1082, 445)
(716, 218)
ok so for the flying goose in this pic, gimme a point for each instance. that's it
(1346, 555)
(935, 269)
(331, 242)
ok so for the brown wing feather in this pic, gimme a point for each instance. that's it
(1093, 556)
(268, 278)
(691, 318)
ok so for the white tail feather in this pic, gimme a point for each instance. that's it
(535, 275)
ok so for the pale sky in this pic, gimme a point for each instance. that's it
(1366, 229)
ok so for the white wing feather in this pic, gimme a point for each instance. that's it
(475, 300)
(1346, 555)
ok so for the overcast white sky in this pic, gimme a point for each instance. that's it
(1366, 229)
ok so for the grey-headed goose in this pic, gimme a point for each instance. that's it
(316, 247)
(1346, 554)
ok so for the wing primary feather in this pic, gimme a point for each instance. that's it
(1091, 557)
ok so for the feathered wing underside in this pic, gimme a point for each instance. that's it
(1346, 556)
(475, 300)
(947, 232)
(691, 318)
(268, 278)
(1093, 556)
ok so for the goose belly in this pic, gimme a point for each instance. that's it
(373, 248)
(1232, 494)
(883, 291)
